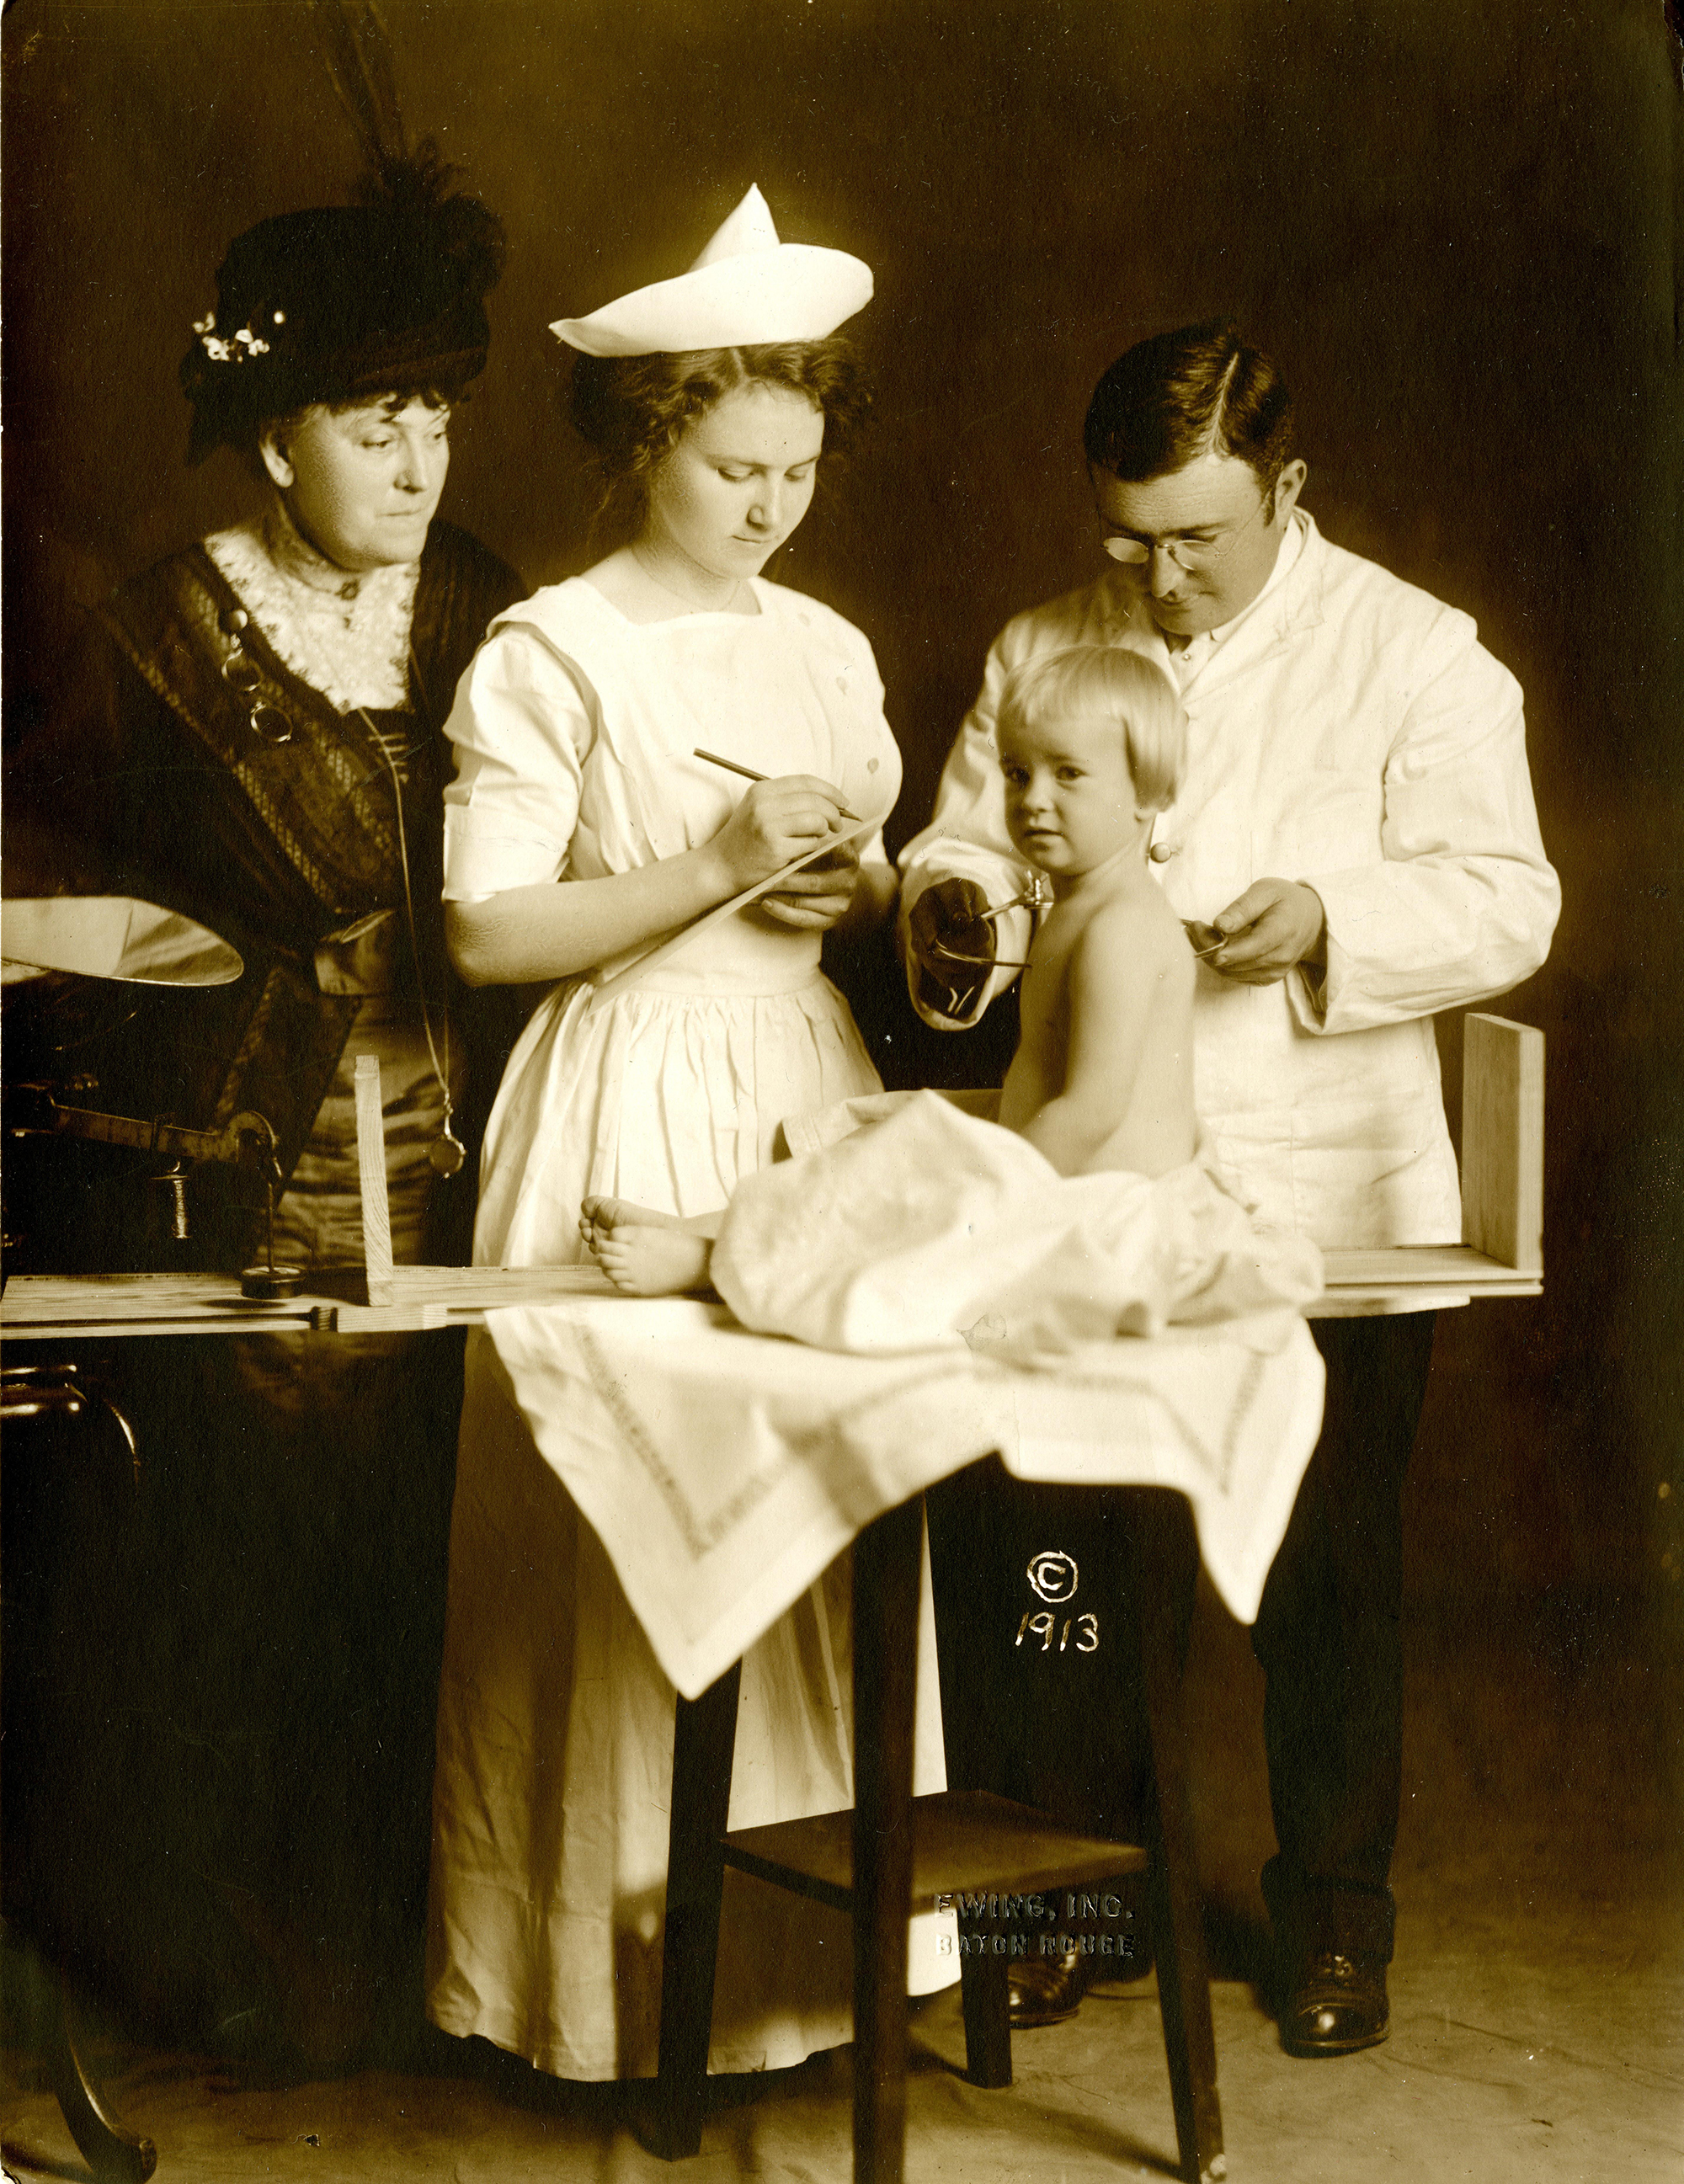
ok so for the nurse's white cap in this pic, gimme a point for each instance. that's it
(746, 287)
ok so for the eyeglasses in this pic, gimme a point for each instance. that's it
(1187, 553)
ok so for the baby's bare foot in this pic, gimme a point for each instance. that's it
(609, 1213)
(653, 1262)
(641, 1253)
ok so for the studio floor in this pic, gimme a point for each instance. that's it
(1537, 1997)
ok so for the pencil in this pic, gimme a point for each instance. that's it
(748, 773)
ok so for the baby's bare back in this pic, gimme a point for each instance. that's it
(1103, 1074)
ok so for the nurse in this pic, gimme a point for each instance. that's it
(585, 823)
(1356, 828)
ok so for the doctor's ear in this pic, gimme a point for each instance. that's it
(1288, 486)
(271, 447)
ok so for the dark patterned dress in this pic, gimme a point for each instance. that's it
(259, 1879)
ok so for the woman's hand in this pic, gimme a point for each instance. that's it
(775, 821)
(821, 894)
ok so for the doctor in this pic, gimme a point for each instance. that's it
(1356, 829)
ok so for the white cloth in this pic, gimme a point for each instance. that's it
(1351, 733)
(929, 1228)
(574, 730)
(722, 1469)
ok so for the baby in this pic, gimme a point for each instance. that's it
(1092, 741)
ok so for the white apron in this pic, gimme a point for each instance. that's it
(575, 732)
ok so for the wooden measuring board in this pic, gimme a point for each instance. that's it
(40, 1307)
(145, 1304)
(1500, 1254)
(1354, 1277)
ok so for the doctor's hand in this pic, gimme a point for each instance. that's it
(1275, 925)
(819, 895)
(946, 930)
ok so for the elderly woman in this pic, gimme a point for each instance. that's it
(255, 740)
(709, 400)
(270, 701)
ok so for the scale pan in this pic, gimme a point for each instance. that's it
(111, 936)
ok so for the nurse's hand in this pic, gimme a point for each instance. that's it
(821, 894)
(775, 821)
(1274, 927)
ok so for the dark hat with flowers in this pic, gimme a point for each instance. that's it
(387, 296)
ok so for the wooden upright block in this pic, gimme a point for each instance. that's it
(371, 1174)
(1503, 1121)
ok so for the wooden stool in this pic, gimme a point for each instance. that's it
(892, 1854)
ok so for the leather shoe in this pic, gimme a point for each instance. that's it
(1338, 2004)
(1046, 1990)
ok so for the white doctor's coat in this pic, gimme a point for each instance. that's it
(1349, 731)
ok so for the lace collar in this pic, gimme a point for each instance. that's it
(346, 635)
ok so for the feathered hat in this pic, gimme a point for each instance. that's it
(381, 297)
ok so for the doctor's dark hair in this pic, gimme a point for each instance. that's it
(1104, 681)
(632, 411)
(1197, 391)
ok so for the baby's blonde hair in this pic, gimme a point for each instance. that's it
(1103, 681)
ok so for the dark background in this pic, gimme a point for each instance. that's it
(1452, 224)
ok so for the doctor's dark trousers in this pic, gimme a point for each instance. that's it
(1057, 1721)
(1328, 1634)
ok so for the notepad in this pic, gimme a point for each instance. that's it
(673, 942)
